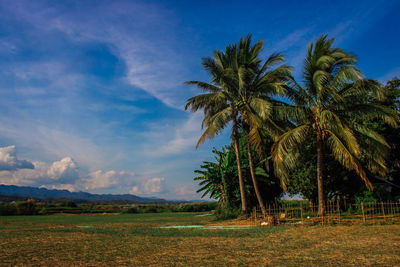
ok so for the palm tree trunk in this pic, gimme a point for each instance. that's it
(267, 165)
(224, 189)
(223, 196)
(255, 184)
(236, 147)
(320, 165)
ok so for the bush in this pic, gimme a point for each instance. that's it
(195, 207)
(7, 209)
(150, 209)
(69, 203)
(130, 210)
(226, 213)
(26, 207)
(378, 194)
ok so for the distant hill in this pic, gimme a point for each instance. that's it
(43, 193)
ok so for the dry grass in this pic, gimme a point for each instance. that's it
(136, 244)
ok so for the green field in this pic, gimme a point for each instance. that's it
(136, 240)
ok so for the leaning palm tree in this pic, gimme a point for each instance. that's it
(326, 107)
(219, 105)
(257, 84)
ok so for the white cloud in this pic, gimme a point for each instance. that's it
(52, 141)
(61, 171)
(151, 186)
(69, 187)
(154, 185)
(135, 190)
(100, 179)
(65, 174)
(9, 160)
(96, 180)
(65, 169)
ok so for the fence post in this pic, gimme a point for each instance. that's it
(301, 211)
(362, 209)
(391, 209)
(373, 209)
(383, 210)
(338, 208)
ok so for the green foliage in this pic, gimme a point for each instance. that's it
(130, 210)
(226, 213)
(333, 94)
(219, 178)
(351, 120)
(7, 209)
(69, 203)
(378, 194)
(20, 208)
(216, 178)
(195, 207)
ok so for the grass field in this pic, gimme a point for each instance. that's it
(115, 240)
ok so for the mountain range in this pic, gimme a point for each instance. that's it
(43, 193)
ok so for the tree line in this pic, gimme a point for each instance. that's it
(315, 136)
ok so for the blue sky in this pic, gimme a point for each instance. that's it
(92, 94)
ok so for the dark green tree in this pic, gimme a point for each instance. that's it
(325, 107)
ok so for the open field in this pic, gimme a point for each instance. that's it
(111, 240)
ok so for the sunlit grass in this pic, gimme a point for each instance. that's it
(110, 240)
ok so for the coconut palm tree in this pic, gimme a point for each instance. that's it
(241, 91)
(257, 84)
(326, 107)
(218, 103)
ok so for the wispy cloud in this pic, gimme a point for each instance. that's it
(174, 138)
(152, 62)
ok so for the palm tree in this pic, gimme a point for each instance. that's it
(218, 104)
(257, 84)
(240, 91)
(326, 107)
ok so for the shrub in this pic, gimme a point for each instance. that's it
(378, 194)
(7, 209)
(150, 209)
(130, 210)
(225, 213)
(195, 207)
(26, 207)
(69, 203)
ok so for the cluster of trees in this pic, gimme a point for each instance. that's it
(311, 137)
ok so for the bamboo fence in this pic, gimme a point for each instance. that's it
(335, 213)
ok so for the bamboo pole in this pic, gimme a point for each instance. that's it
(373, 209)
(301, 211)
(362, 209)
(328, 214)
(391, 209)
(338, 209)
